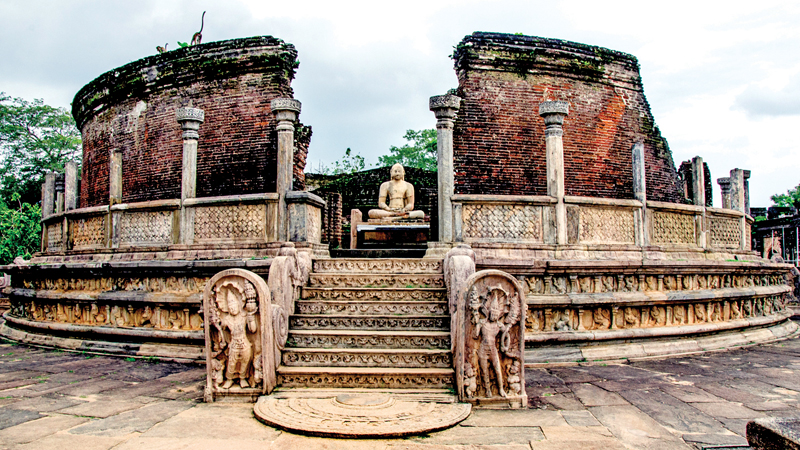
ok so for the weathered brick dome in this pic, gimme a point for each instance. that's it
(131, 109)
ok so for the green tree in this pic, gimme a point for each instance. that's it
(420, 152)
(34, 139)
(349, 163)
(790, 198)
(20, 231)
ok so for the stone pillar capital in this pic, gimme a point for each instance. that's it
(553, 114)
(190, 120)
(445, 108)
(285, 110)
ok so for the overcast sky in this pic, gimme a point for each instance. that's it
(722, 78)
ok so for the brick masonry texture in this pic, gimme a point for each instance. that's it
(132, 109)
(499, 145)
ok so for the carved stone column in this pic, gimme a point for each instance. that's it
(698, 182)
(699, 198)
(286, 111)
(190, 119)
(725, 191)
(445, 108)
(70, 185)
(640, 193)
(737, 190)
(746, 176)
(49, 194)
(553, 114)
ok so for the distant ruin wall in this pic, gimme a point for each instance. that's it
(132, 109)
(499, 140)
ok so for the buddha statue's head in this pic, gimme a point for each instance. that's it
(398, 173)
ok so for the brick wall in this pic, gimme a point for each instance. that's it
(499, 136)
(132, 108)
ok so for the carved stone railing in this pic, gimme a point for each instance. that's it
(480, 219)
(503, 218)
(225, 220)
(234, 219)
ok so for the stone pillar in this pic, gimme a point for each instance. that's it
(286, 111)
(640, 192)
(725, 191)
(553, 114)
(738, 203)
(115, 178)
(190, 119)
(737, 189)
(70, 185)
(698, 182)
(445, 108)
(49, 195)
(746, 176)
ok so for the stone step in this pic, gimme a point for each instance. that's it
(364, 308)
(366, 280)
(374, 294)
(378, 266)
(327, 357)
(374, 323)
(368, 339)
(365, 377)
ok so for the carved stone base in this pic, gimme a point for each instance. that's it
(359, 414)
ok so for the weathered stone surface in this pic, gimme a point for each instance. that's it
(10, 417)
(727, 410)
(483, 436)
(101, 408)
(636, 429)
(525, 418)
(591, 395)
(36, 429)
(671, 412)
(138, 420)
(217, 422)
(777, 433)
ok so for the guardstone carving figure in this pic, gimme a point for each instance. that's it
(492, 371)
(239, 341)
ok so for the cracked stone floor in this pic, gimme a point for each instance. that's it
(62, 400)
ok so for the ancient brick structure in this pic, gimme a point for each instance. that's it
(499, 137)
(132, 109)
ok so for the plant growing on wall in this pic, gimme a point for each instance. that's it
(20, 230)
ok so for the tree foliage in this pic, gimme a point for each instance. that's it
(420, 152)
(790, 198)
(20, 231)
(350, 163)
(34, 139)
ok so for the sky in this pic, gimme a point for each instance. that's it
(722, 77)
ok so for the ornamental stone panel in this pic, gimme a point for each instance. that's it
(606, 226)
(672, 228)
(502, 222)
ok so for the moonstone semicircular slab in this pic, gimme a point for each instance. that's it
(359, 415)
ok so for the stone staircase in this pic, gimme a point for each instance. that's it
(370, 324)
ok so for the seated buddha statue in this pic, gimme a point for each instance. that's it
(400, 194)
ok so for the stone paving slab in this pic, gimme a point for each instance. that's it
(53, 399)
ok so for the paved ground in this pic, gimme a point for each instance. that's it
(52, 399)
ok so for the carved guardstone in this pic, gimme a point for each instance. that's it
(240, 363)
(491, 374)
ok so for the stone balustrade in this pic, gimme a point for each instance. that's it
(598, 222)
(226, 220)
